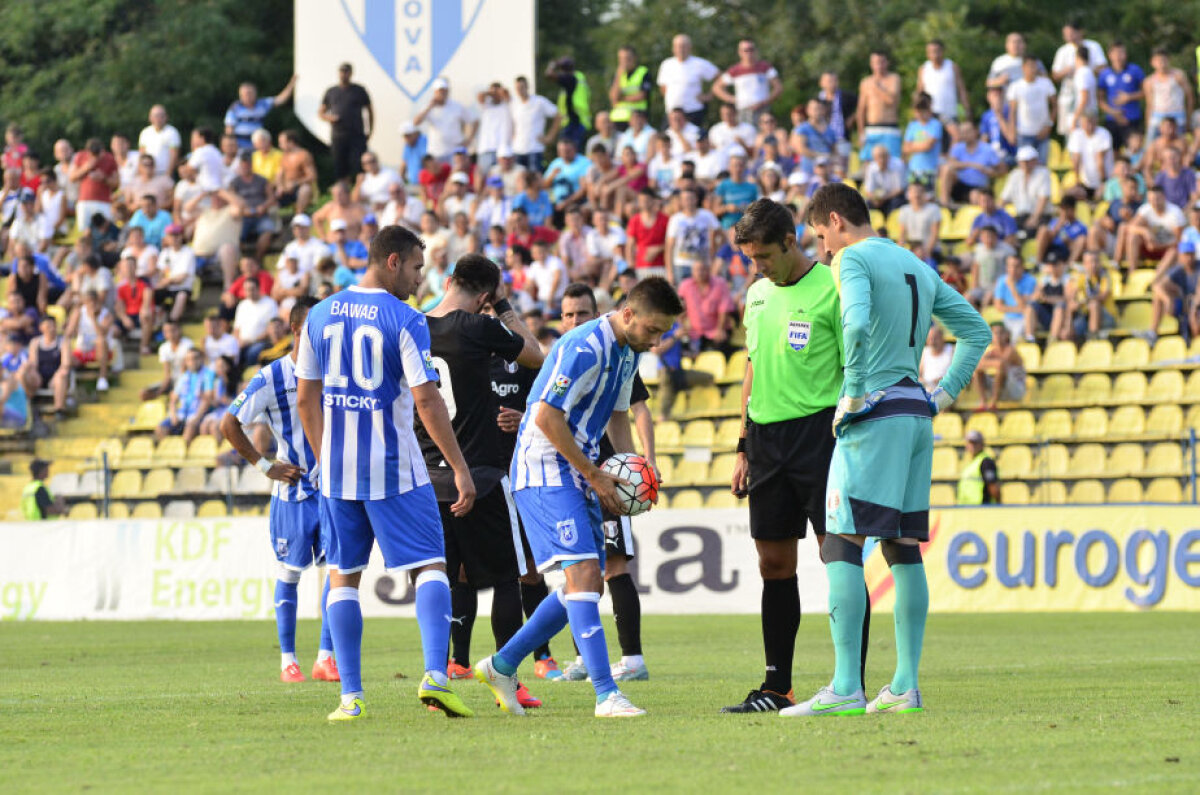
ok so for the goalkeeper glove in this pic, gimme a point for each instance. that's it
(939, 400)
(850, 408)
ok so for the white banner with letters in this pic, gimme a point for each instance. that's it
(687, 562)
(399, 47)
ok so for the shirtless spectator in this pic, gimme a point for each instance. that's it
(297, 181)
(1001, 372)
(1168, 95)
(339, 207)
(1168, 139)
(878, 113)
(149, 181)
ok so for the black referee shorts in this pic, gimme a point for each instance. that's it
(789, 465)
(485, 542)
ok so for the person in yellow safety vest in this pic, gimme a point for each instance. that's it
(979, 483)
(631, 89)
(574, 101)
(36, 502)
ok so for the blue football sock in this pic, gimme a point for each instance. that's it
(912, 606)
(326, 638)
(285, 615)
(584, 612)
(345, 626)
(433, 617)
(546, 622)
(847, 605)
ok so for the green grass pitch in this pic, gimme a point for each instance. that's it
(1016, 703)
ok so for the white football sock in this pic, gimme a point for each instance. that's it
(323, 655)
(288, 658)
(633, 661)
(438, 677)
(348, 698)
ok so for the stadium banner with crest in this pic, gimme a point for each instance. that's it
(1135, 557)
(399, 47)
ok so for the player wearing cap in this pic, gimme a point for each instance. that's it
(790, 389)
(296, 532)
(879, 478)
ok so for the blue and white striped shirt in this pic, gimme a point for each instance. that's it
(587, 375)
(271, 394)
(369, 349)
(245, 120)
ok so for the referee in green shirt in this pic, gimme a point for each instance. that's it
(790, 391)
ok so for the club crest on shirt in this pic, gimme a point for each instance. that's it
(834, 500)
(566, 532)
(561, 384)
(798, 334)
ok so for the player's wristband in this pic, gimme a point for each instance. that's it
(263, 464)
(741, 446)
(502, 306)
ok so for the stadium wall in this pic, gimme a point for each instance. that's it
(1136, 557)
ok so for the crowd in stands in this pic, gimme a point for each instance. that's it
(1070, 175)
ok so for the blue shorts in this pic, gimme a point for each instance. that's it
(879, 479)
(297, 532)
(886, 134)
(407, 526)
(563, 526)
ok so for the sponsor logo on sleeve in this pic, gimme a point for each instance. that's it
(561, 384)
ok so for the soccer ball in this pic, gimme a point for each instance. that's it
(642, 491)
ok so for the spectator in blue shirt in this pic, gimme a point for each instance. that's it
(416, 146)
(246, 114)
(735, 193)
(151, 220)
(347, 252)
(923, 142)
(565, 176)
(1120, 85)
(970, 166)
(815, 136)
(1012, 294)
(992, 125)
(190, 398)
(534, 201)
(1065, 236)
(992, 214)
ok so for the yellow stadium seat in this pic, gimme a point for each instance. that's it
(158, 481)
(171, 452)
(1088, 460)
(1133, 352)
(963, 218)
(731, 402)
(666, 437)
(1015, 461)
(113, 448)
(118, 510)
(690, 473)
(877, 219)
(1093, 389)
(1052, 461)
(1168, 349)
(1191, 389)
(728, 433)
(721, 498)
(1135, 316)
(1166, 387)
(210, 509)
(1166, 458)
(1058, 160)
(947, 427)
(945, 463)
(711, 362)
(1125, 490)
(202, 451)
(146, 510)
(698, 433)
(1086, 492)
(1092, 423)
(1127, 421)
(703, 401)
(1137, 284)
(1126, 460)
(1193, 422)
(126, 484)
(720, 470)
(149, 415)
(686, 499)
(986, 423)
(1164, 490)
(1165, 420)
(1031, 354)
(1129, 387)
(1095, 355)
(942, 494)
(1054, 424)
(189, 480)
(735, 368)
(1014, 493)
(666, 468)
(1059, 356)
(1056, 389)
(1017, 425)
(82, 511)
(138, 453)
(1050, 492)
(893, 225)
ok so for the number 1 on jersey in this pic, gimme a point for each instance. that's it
(911, 280)
(335, 332)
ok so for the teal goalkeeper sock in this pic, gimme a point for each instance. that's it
(847, 605)
(912, 606)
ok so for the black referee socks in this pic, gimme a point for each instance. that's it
(627, 612)
(780, 623)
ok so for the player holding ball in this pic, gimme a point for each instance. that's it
(582, 390)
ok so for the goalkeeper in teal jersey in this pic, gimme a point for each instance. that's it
(879, 478)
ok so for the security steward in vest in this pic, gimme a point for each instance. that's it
(36, 502)
(574, 100)
(979, 483)
(631, 89)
